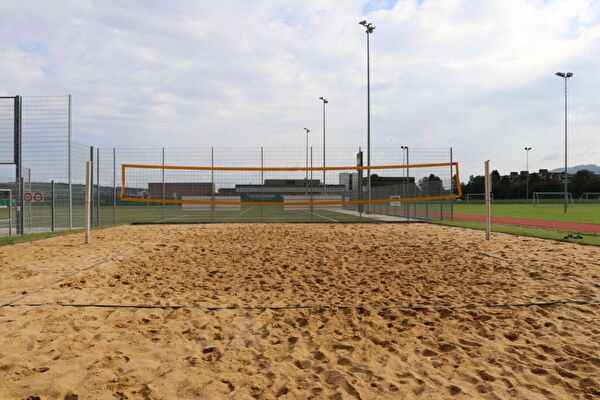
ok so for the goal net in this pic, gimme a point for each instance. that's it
(551, 198)
(590, 197)
(239, 189)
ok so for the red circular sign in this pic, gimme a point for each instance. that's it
(38, 196)
(27, 196)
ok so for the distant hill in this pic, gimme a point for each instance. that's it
(572, 170)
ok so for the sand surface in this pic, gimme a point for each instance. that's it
(535, 352)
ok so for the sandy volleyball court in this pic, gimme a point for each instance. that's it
(372, 349)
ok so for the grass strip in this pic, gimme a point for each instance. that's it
(524, 231)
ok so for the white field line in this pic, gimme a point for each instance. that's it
(322, 216)
(248, 210)
(168, 219)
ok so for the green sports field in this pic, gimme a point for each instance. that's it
(589, 213)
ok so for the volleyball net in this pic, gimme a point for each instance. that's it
(199, 188)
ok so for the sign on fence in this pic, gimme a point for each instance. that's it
(35, 197)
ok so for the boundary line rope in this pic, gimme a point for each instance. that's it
(314, 307)
(97, 263)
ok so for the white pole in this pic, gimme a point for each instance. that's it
(488, 202)
(88, 200)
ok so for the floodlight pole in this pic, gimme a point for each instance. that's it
(527, 177)
(369, 28)
(325, 101)
(565, 76)
(306, 177)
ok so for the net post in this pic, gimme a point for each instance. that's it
(262, 183)
(88, 200)
(163, 186)
(98, 187)
(488, 207)
(52, 209)
(212, 180)
(114, 186)
(452, 183)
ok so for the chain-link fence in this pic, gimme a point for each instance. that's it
(48, 194)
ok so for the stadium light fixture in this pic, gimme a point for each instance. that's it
(565, 76)
(527, 177)
(369, 28)
(325, 101)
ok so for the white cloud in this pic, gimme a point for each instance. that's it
(476, 75)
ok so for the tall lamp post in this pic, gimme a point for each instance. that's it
(565, 76)
(369, 28)
(325, 101)
(527, 177)
(306, 177)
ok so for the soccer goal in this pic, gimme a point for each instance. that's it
(590, 197)
(282, 194)
(476, 198)
(551, 198)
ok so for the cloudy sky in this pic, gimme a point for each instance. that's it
(477, 75)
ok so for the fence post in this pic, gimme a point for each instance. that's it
(311, 184)
(488, 208)
(21, 207)
(92, 184)
(69, 167)
(53, 206)
(88, 200)
(98, 187)
(212, 180)
(10, 212)
(163, 185)
(114, 186)
(452, 183)
(18, 164)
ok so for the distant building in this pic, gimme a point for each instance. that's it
(176, 190)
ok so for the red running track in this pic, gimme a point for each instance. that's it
(569, 226)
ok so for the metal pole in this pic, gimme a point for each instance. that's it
(52, 206)
(21, 207)
(324, 184)
(88, 200)
(69, 168)
(30, 212)
(10, 213)
(163, 185)
(212, 180)
(311, 183)
(92, 184)
(368, 123)
(452, 183)
(262, 183)
(565, 177)
(114, 186)
(527, 176)
(18, 163)
(98, 187)
(488, 210)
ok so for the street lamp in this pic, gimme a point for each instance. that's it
(325, 101)
(527, 177)
(565, 76)
(369, 28)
